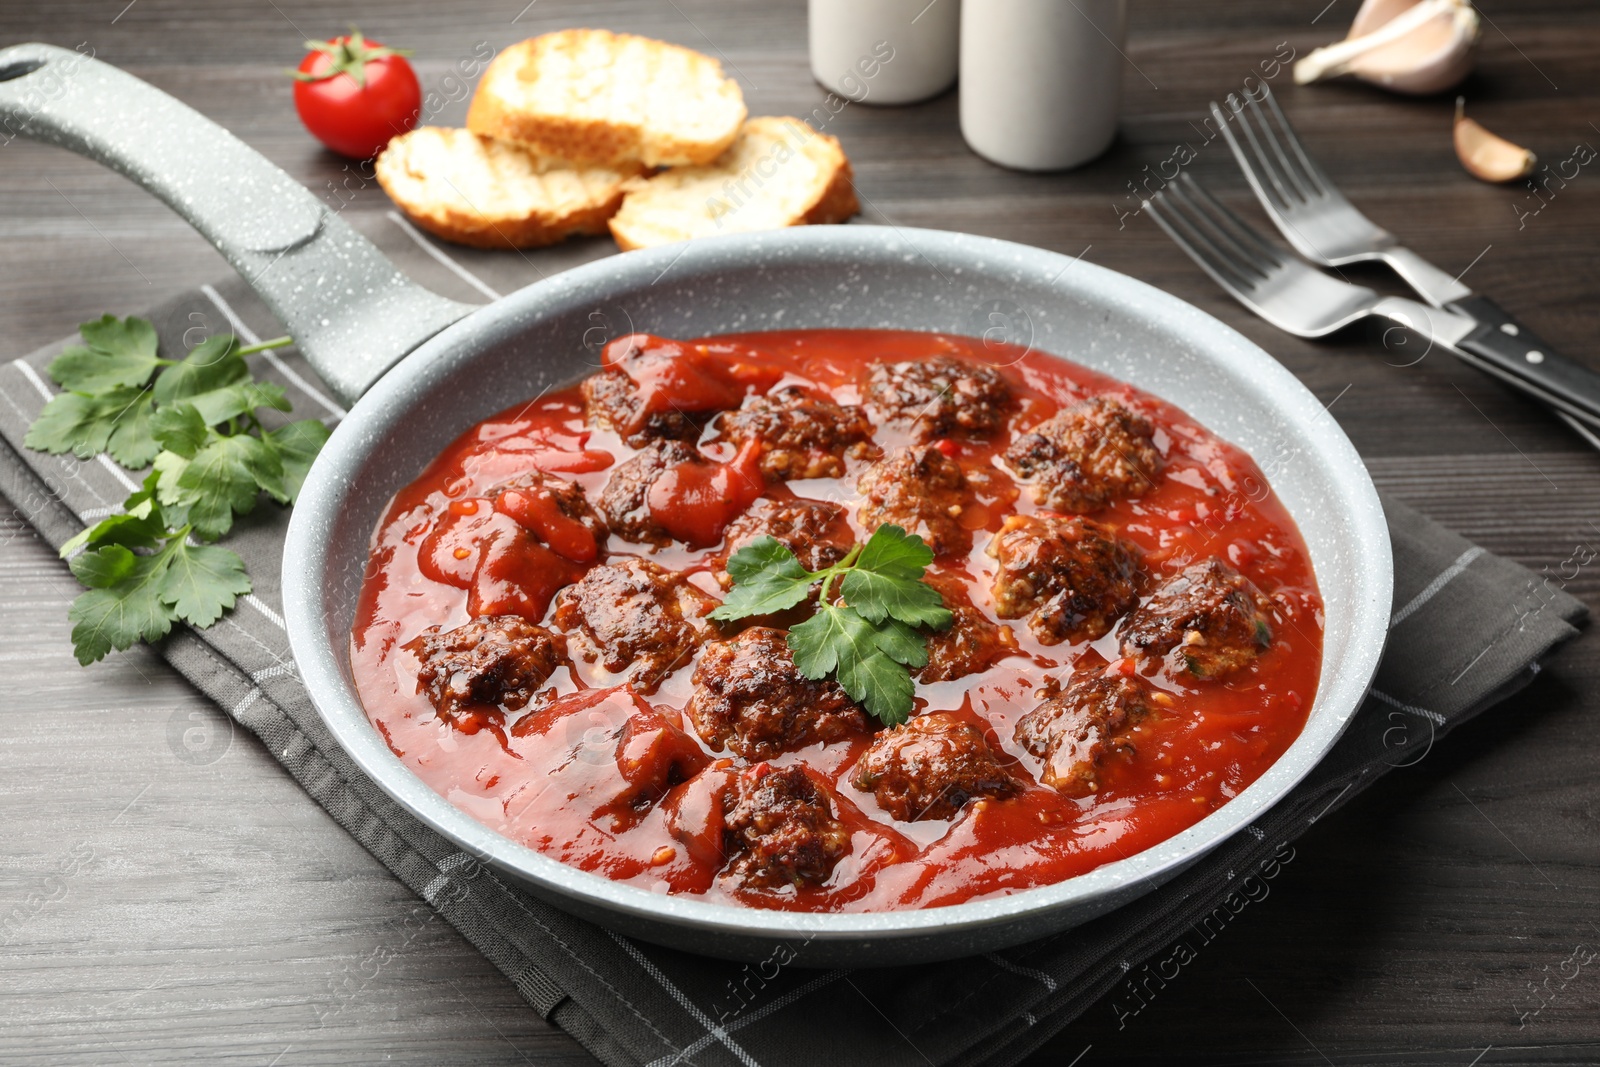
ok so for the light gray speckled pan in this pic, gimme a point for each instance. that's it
(355, 317)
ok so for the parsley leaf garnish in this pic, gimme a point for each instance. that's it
(107, 404)
(119, 352)
(766, 578)
(194, 422)
(870, 640)
(220, 479)
(297, 444)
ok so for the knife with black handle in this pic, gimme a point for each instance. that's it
(1326, 228)
(1517, 352)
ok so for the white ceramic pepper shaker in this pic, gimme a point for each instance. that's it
(1041, 80)
(884, 51)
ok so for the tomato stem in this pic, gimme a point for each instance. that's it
(349, 55)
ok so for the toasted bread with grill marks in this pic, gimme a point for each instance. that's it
(603, 98)
(492, 194)
(779, 173)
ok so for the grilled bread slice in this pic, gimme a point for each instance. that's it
(478, 191)
(597, 97)
(780, 172)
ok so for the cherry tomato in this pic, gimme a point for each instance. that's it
(354, 94)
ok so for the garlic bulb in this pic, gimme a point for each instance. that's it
(1488, 156)
(1407, 46)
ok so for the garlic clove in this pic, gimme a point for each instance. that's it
(1407, 46)
(1488, 156)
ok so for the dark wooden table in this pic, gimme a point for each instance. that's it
(1443, 918)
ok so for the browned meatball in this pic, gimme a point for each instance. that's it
(1077, 730)
(635, 617)
(612, 401)
(1071, 577)
(655, 387)
(555, 509)
(780, 829)
(929, 767)
(567, 496)
(1212, 618)
(816, 531)
(802, 436)
(496, 660)
(1087, 456)
(940, 397)
(972, 643)
(750, 697)
(626, 498)
(921, 490)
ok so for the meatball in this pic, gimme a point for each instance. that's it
(1212, 618)
(921, 490)
(929, 767)
(816, 531)
(1087, 456)
(496, 660)
(972, 643)
(750, 697)
(940, 397)
(613, 402)
(653, 388)
(626, 498)
(555, 509)
(567, 497)
(801, 436)
(635, 617)
(1075, 731)
(1072, 578)
(780, 829)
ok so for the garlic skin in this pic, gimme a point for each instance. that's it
(1417, 47)
(1487, 156)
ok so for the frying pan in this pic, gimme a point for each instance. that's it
(418, 369)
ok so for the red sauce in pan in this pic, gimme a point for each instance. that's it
(581, 774)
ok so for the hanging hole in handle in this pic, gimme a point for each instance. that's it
(20, 68)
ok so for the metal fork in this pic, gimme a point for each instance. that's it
(1298, 298)
(1309, 210)
(1326, 228)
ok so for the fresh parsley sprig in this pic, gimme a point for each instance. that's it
(195, 422)
(868, 642)
(134, 595)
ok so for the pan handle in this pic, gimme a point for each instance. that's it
(351, 312)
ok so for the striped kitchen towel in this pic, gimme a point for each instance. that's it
(1468, 629)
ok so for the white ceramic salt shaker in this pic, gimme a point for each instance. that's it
(884, 51)
(1041, 80)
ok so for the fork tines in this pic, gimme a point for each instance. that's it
(1292, 174)
(1228, 248)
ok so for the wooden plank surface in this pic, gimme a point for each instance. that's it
(172, 895)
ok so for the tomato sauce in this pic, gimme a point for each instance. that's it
(586, 776)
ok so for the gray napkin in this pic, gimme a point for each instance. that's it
(1469, 628)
